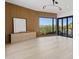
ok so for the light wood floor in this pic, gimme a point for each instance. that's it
(52, 47)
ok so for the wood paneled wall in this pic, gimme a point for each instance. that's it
(32, 17)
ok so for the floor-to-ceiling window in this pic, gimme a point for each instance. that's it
(47, 25)
(65, 27)
(60, 27)
(70, 26)
(55, 25)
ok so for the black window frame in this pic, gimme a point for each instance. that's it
(62, 25)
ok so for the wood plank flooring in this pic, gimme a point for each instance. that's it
(51, 47)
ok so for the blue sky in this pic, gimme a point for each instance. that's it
(69, 20)
(48, 21)
(45, 21)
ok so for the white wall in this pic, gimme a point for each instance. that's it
(68, 13)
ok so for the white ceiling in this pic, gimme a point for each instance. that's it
(66, 5)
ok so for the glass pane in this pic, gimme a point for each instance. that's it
(60, 26)
(70, 29)
(65, 26)
(55, 26)
(45, 25)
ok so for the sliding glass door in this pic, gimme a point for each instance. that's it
(70, 27)
(65, 27)
(60, 27)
